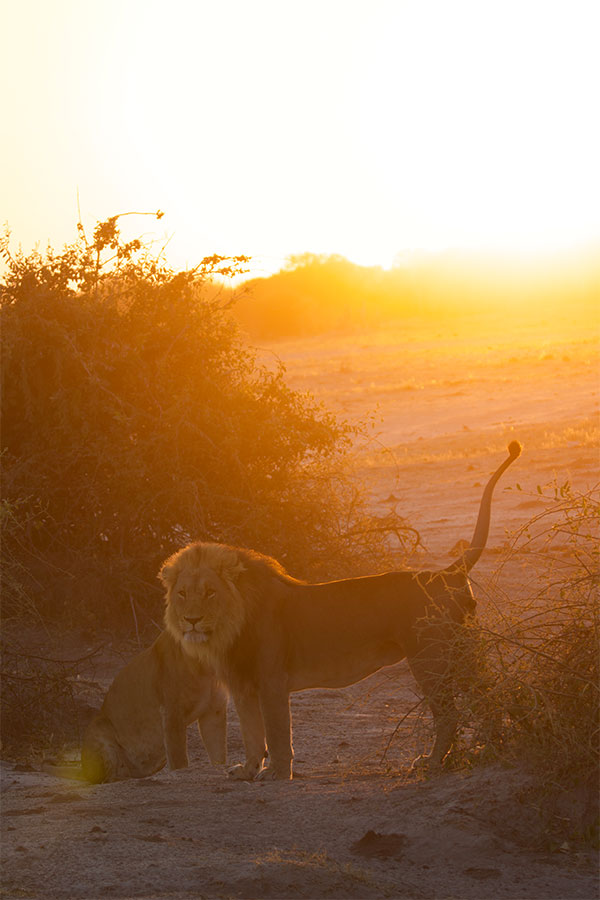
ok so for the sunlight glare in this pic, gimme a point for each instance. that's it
(482, 134)
(273, 129)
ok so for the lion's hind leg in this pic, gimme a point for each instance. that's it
(102, 758)
(434, 679)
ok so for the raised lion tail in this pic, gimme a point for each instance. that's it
(472, 553)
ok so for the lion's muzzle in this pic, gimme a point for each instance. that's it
(195, 632)
(195, 637)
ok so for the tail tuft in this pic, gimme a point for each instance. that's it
(514, 449)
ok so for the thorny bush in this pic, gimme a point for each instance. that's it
(535, 699)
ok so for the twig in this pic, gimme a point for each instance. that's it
(137, 633)
(61, 662)
(394, 732)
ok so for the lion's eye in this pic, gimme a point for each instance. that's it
(210, 593)
(182, 593)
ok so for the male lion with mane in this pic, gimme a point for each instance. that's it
(267, 634)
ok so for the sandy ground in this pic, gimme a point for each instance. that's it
(355, 822)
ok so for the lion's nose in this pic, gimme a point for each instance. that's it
(193, 622)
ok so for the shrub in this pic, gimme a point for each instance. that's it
(536, 700)
(135, 419)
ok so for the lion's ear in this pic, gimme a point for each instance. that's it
(230, 565)
(168, 574)
(235, 571)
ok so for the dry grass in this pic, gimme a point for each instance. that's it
(43, 711)
(475, 445)
(536, 698)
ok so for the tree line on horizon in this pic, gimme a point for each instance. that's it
(315, 294)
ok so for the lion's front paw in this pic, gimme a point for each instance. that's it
(167, 774)
(271, 774)
(243, 772)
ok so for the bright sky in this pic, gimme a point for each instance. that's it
(270, 127)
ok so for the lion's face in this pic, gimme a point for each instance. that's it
(196, 604)
(205, 611)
